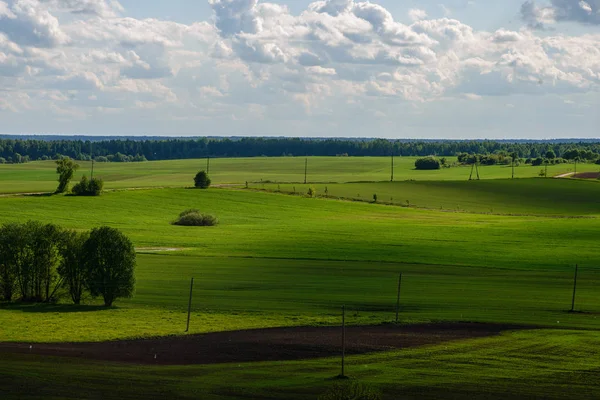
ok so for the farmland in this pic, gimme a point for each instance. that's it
(492, 251)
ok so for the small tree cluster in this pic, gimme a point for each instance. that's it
(88, 187)
(193, 217)
(428, 163)
(43, 262)
(201, 180)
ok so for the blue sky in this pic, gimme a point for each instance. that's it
(340, 68)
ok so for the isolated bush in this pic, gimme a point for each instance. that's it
(375, 198)
(87, 187)
(193, 217)
(352, 391)
(427, 163)
(312, 192)
(201, 180)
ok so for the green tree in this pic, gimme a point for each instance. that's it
(550, 155)
(65, 168)
(201, 180)
(72, 267)
(110, 264)
(10, 255)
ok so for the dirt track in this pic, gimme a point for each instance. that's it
(262, 345)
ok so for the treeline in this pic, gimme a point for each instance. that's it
(23, 150)
(44, 262)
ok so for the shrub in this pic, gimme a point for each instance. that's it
(537, 162)
(87, 187)
(427, 163)
(194, 218)
(311, 192)
(201, 180)
(375, 198)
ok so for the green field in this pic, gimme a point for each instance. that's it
(279, 260)
(40, 176)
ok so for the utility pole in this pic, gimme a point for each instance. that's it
(305, 169)
(207, 165)
(92, 156)
(574, 288)
(392, 180)
(190, 305)
(343, 375)
(398, 298)
(575, 168)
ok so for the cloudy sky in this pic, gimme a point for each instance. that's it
(336, 68)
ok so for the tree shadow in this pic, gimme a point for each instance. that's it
(49, 194)
(52, 308)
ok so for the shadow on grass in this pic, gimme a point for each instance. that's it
(52, 308)
(49, 194)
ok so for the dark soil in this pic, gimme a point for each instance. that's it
(587, 175)
(262, 345)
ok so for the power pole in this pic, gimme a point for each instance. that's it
(207, 165)
(305, 169)
(92, 155)
(190, 305)
(575, 169)
(574, 288)
(477, 169)
(398, 298)
(392, 180)
(343, 375)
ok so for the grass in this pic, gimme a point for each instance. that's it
(40, 176)
(299, 262)
(279, 260)
(551, 364)
(534, 196)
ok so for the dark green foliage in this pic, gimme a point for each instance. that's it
(193, 217)
(427, 163)
(29, 256)
(87, 187)
(550, 154)
(537, 162)
(351, 391)
(65, 168)
(125, 150)
(110, 263)
(375, 198)
(312, 192)
(201, 180)
(72, 266)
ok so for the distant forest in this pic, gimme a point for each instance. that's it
(129, 149)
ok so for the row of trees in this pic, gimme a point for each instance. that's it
(162, 149)
(44, 262)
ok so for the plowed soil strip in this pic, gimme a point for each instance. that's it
(276, 344)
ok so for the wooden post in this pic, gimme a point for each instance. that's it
(513, 168)
(207, 165)
(190, 305)
(398, 298)
(343, 342)
(92, 156)
(574, 288)
(392, 180)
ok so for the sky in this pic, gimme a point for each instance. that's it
(445, 69)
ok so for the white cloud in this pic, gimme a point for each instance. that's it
(333, 58)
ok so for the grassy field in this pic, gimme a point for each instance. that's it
(279, 260)
(289, 260)
(549, 364)
(41, 176)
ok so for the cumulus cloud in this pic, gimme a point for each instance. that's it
(582, 11)
(91, 56)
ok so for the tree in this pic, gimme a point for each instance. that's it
(88, 187)
(201, 180)
(72, 266)
(110, 264)
(65, 168)
(427, 163)
(550, 155)
(10, 238)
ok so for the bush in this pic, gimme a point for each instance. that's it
(427, 163)
(537, 162)
(201, 180)
(311, 192)
(87, 187)
(193, 217)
